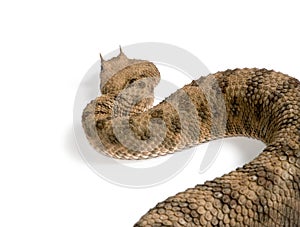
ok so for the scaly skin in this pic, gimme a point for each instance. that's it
(257, 103)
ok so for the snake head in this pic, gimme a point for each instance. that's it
(114, 65)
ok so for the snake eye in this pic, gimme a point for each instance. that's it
(131, 81)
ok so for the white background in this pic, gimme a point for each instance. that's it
(45, 50)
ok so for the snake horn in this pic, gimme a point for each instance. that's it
(102, 59)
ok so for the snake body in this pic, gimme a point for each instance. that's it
(257, 103)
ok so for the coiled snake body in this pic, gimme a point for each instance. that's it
(257, 103)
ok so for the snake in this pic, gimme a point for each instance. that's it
(256, 103)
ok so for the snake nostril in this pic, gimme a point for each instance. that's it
(141, 84)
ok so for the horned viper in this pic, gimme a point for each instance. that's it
(257, 103)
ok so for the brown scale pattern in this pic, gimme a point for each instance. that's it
(256, 103)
